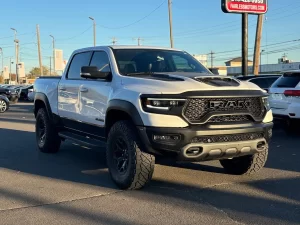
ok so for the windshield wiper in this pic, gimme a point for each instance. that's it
(140, 73)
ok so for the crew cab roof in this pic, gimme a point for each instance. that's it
(123, 47)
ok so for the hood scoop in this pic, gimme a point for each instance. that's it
(218, 81)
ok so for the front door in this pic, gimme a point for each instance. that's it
(93, 95)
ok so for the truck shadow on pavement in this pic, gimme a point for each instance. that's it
(276, 199)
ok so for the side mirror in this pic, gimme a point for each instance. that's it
(92, 72)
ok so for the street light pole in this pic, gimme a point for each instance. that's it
(53, 46)
(260, 60)
(94, 25)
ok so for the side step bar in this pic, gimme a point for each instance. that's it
(81, 139)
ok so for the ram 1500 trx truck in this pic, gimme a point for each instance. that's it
(145, 102)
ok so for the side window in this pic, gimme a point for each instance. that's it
(260, 82)
(182, 64)
(100, 59)
(78, 61)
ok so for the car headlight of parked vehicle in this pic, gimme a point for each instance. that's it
(266, 103)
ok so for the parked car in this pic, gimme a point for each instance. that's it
(143, 102)
(285, 98)
(263, 81)
(4, 104)
(25, 91)
(11, 94)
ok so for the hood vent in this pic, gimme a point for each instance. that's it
(218, 81)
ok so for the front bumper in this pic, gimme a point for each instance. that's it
(13, 97)
(210, 142)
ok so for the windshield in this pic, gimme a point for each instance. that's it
(139, 61)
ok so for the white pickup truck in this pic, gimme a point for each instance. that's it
(145, 102)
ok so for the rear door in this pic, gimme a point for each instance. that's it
(280, 101)
(68, 88)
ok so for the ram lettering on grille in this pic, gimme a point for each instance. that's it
(197, 110)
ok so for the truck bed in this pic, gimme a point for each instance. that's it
(48, 85)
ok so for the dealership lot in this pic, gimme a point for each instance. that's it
(74, 187)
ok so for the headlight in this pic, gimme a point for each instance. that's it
(266, 103)
(159, 104)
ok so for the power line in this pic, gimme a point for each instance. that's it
(137, 21)
(64, 39)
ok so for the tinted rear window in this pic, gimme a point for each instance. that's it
(288, 80)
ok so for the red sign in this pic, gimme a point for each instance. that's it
(245, 6)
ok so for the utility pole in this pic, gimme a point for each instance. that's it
(94, 28)
(257, 52)
(211, 59)
(16, 50)
(171, 23)
(245, 44)
(53, 46)
(39, 48)
(114, 40)
(139, 40)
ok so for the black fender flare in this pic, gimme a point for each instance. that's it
(127, 107)
(42, 97)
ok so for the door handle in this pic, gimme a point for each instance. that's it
(84, 90)
(62, 88)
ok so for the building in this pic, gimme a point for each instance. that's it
(202, 59)
(236, 62)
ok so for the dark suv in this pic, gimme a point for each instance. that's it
(263, 81)
(11, 94)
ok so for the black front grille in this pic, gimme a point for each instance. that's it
(231, 118)
(198, 110)
(227, 138)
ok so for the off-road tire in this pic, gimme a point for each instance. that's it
(246, 165)
(140, 165)
(51, 141)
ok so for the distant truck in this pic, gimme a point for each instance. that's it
(145, 102)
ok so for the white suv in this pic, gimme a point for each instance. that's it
(285, 97)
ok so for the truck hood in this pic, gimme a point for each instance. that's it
(175, 83)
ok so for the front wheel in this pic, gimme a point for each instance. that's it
(3, 106)
(129, 167)
(247, 165)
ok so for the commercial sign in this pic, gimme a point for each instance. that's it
(5, 73)
(21, 70)
(59, 61)
(245, 6)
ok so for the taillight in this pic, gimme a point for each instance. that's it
(294, 93)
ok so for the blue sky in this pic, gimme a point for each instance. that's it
(198, 27)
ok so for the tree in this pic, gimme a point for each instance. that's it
(36, 71)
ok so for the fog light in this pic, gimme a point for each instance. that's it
(168, 139)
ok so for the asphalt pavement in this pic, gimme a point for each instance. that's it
(74, 186)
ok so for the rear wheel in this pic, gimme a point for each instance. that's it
(3, 106)
(247, 165)
(129, 167)
(47, 137)
(291, 126)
